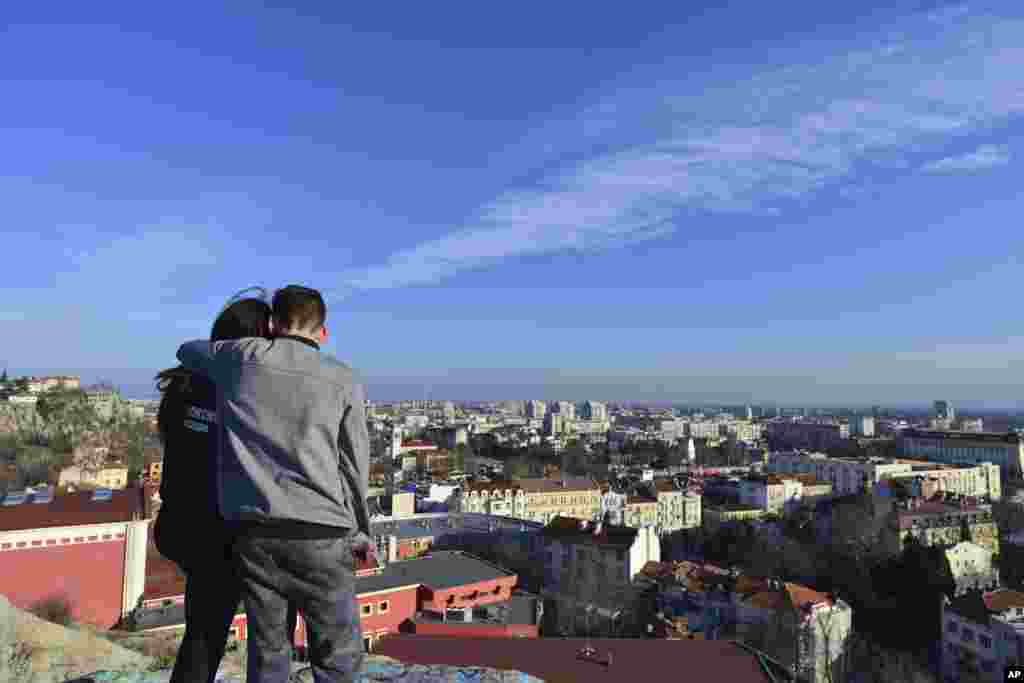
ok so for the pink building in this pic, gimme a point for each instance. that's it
(88, 548)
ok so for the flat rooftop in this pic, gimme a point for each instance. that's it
(438, 570)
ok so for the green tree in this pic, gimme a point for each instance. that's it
(34, 465)
(67, 415)
(3, 377)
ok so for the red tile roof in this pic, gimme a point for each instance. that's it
(1002, 600)
(72, 509)
(556, 660)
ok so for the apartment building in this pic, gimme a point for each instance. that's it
(982, 634)
(535, 410)
(677, 508)
(811, 435)
(852, 475)
(966, 448)
(983, 480)
(593, 410)
(113, 477)
(938, 522)
(972, 567)
(640, 511)
(533, 499)
(847, 475)
(589, 569)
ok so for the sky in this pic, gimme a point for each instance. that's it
(803, 202)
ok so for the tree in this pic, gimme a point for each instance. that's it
(35, 464)
(3, 377)
(68, 415)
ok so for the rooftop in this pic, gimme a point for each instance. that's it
(438, 570)
(1004, 599)
(73, 509)
(569, 529)
(989, 437)
(558, 660)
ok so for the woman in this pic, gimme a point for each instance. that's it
(189, 530)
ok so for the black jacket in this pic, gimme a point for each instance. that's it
(189, 529)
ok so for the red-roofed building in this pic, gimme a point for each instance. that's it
(439, 593)
(569, 660)
(89, 550)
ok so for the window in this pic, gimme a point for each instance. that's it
(367, 609)
(985, 641)
(368, 643)
(383, 606)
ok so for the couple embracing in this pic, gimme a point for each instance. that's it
(266, 459)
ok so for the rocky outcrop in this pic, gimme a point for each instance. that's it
(36, 651)
(376, 670)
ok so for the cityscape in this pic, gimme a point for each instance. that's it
(491, 342)
(561, 520)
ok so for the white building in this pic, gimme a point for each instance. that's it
(972, 566)
(771, 494)
(593, 410)
(862, 425)
(982, 480)
(554, 424)
(972, 425)
(677, 508)
(614, 506)
(567, 409)
(415, 422)
(535, 410)
(589, 570)
(847, 475)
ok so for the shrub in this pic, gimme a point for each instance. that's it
(56, 609)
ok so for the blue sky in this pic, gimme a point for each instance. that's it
(799, 202)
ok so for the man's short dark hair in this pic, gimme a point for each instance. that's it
(299, 308)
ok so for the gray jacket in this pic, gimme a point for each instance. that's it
(293, 444)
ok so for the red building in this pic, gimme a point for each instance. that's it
(437, 594)
(84, 548)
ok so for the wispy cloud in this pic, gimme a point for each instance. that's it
(984, 157)
(756, 146)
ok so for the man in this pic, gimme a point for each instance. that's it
(294, 463)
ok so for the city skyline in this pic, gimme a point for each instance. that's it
(809, 204)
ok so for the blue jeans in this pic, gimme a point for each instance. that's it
(318, 578)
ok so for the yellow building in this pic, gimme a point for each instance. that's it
(640, 512)
(538, 500)
(940, 523)
(107, 477)
(715, 516)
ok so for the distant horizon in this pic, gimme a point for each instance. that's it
(388, 390)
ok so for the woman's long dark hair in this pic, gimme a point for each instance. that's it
(243, 318)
